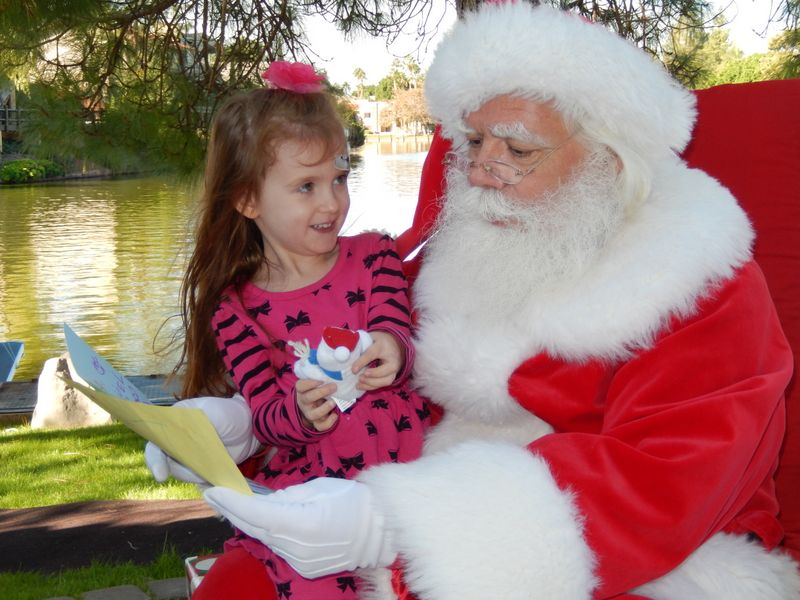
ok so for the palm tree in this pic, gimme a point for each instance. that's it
(360, 76)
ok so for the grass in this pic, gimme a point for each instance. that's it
(25, 585)
(46, 467)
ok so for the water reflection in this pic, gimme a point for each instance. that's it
(106, 256)
(386, 144)
(383, 190)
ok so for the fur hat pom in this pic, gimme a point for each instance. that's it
(591, 74)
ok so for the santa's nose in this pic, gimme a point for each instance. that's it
(481, 176)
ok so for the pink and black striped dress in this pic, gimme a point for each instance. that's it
(365, 289)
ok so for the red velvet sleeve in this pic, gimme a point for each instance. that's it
(686, 440)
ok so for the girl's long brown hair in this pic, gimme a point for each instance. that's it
(228, 249)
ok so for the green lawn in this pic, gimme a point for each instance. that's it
(73, 582)
(45, 467)
(42, 468)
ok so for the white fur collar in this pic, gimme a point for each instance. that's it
(687, 237)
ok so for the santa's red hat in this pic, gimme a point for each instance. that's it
(592, 75)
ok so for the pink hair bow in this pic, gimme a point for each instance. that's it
(293, 76)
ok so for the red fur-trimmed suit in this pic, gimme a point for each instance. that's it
(663, 376)
(662, 372)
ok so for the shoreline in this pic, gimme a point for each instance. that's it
(82, 173)
(18, 397)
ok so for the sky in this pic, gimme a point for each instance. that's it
(749, 19)
(340, 58)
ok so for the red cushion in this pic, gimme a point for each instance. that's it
(431, 188)
(236, 575)
(747, 136)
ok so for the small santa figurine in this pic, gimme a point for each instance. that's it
(332, 361)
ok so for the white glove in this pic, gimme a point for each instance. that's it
(162, 467)
(230, 417)
(321, 527)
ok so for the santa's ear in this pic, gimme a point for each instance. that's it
(248, 206)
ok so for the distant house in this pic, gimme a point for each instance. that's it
(8, 102)
(370, 111)
(8, 97)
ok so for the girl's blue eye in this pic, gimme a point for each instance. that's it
(306, 188)
(342, 179)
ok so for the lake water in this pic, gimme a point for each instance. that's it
(106, 256)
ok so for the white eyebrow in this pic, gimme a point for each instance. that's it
(517, 131)
(464, 129)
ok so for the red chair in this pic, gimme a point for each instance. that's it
(748, 137)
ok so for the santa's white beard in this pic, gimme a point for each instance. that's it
(489, 270)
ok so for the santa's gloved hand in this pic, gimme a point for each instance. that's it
(230, 417)
(321, 527)
(162, 467)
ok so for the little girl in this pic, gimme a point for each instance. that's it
(270, 270)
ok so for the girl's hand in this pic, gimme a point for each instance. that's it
(390, 356)
(317, 411)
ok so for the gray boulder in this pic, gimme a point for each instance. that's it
(60, 406)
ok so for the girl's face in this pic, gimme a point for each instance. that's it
(302, 206)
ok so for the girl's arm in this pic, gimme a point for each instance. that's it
(388, 319)
(249, 357)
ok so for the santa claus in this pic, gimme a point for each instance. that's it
(606, 352)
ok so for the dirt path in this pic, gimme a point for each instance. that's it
(52, 538)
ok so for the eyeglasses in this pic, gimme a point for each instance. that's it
(502, 171)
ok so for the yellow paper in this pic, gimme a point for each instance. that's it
(185, 434)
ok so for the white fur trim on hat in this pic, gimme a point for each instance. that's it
(590, 73)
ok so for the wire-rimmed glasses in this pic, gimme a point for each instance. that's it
(500, 170)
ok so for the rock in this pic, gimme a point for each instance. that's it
(59, 406)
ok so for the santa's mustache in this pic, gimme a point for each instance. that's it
(495, 251)
(587, 201)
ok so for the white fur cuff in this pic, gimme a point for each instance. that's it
(483, 520)
(728, 566)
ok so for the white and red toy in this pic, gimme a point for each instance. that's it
(332, 360)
